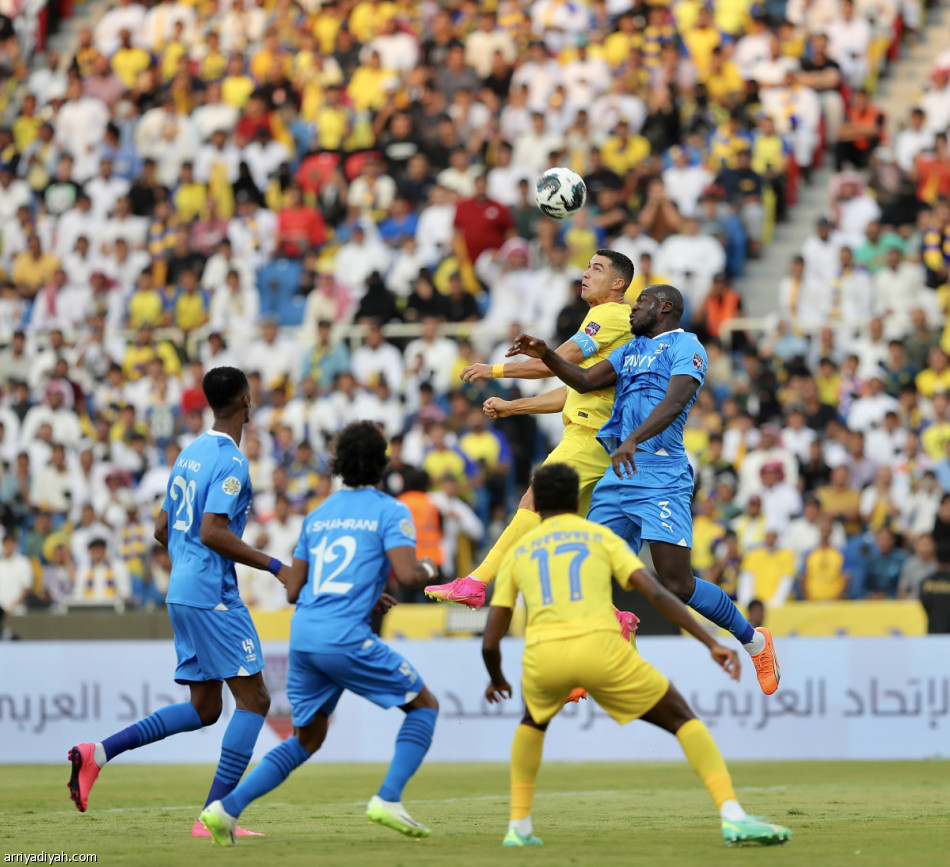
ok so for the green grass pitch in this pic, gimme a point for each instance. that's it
(856, 813)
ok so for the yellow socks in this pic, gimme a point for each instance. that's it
(706, 760)
(523, 521)
(526, 752)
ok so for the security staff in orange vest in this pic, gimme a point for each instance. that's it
(428, 522)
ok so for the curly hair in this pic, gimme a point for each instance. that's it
(555, 488)
(360, 454)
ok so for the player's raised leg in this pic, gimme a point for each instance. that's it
(676, 574)
(470, 589)
(673, 714)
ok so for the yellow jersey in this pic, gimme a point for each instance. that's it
(768, 569)
(605, 328)
(563, 569)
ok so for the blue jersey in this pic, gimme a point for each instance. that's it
(344, 541)
(644, 367)
(209, 477)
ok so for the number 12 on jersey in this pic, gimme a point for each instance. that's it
(543, 558)
(325, 554)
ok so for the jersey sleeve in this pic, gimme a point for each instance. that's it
(227, 482)
(300, 550)
(623, 562)
(505, 593)
(599, 330)
(689, 358)
(398, 530)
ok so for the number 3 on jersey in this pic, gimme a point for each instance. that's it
(580, 552)
(324, 555)
(183, 493)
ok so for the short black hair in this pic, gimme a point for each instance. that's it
(556, 488)
(223, 386)
(620, 264)
(665, 292)
(360, 454)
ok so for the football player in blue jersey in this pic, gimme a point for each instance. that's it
(347, 547)
(646, 492)
(201, 521)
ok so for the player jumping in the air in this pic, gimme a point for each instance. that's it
(605, 328)
(201, 522)
(341, 564)
(563, 568)
(646, 492)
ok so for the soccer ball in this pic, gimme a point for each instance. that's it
(560, 193)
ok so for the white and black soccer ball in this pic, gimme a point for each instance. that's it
(560, 193)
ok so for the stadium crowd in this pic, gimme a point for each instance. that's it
(229, 181)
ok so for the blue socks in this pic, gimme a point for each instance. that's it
(709, 600)
(274, 768)
(412, 744)
(168, 720)
(236, 750)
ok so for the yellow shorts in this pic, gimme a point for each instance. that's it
(608, 667)
(579, 449)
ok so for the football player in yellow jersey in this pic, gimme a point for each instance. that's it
(563, 568)
(605, 328)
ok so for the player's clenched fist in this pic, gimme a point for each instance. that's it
(525, 344)
(475, 372)
(495, 407)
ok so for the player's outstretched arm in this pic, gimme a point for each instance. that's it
(499, 619)
(551, 401)
(679, 392)
(583, 380)
(533, 368)
(676, 612)
(220, 538)
(407, 569)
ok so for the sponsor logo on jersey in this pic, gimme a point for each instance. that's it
(407, 527)
(231, 486)
(697, 361)
(592, 329)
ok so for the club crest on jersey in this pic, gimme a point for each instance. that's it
(231, 486)
(697, 361)
(591, 329)
(407, 527)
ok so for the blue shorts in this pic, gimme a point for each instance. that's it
(213, 644)
(653, 506)
(316, 679)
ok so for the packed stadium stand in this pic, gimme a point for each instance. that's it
(338, 197)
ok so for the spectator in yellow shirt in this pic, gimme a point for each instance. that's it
(369, 17)
(935, 377)
(191, 303)
(190, 196)
(333, 119)
(27, 124)
(34, 268)
(936, 435)
(622, 42)
(823, 578)
(213, 64)
(237, 87)
(442, 460)
(130, 60)
(143, 350)
(643, 277)
(367, 89)
(146, 306)
(767, 573)
(701, 40)
(622, 151)
(724, 83)
(263, 62)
